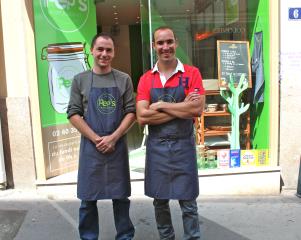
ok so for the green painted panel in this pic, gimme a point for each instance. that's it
(63, 31)
(58, 26)
(260, 113)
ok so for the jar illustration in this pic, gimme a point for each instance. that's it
(65, 61)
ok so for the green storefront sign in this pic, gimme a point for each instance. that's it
(63, 31)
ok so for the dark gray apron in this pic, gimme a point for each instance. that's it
(103, 176)
(171, 167)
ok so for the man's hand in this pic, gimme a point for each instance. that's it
(156, 106)
(106, 144)
(192, 96)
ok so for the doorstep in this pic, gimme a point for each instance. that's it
(231, 181)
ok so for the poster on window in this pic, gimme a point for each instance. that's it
(63, 31)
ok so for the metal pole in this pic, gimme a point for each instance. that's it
(2, 166)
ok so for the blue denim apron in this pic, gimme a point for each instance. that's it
(103, 176)
(171, 167)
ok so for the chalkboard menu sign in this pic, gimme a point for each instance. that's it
(233, 58)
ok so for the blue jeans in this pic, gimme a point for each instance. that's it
(189, 216)
(88, 220)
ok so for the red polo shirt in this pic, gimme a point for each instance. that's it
(191, 76)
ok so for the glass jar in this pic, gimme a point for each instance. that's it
(65, 61)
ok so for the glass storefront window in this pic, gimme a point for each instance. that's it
(198, 25)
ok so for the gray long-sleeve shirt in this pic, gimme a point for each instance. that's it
(81, 85)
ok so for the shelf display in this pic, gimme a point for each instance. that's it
(248, 158)
(223, 158)
(234, 158)
(220, 131)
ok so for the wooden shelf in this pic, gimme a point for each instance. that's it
(216, 114)
(212, 92)
(202, 132)
(210, 133)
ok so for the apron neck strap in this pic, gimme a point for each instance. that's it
(180, 80)
(92, 78)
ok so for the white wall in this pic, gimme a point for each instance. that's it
(290, 90)
(19, 101)
(15, 44)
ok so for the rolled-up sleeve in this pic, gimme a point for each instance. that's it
(75, 105)
(128, 98)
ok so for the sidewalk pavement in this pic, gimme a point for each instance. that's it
(52, 214)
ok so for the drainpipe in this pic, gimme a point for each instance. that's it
(2, 166)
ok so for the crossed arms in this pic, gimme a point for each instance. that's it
(161, 112)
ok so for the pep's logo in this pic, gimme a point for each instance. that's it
(167, 98)
(106, 103)
(65, 15)
(67, 4)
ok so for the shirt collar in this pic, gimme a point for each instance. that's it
(179, 67)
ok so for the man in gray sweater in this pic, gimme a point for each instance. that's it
(102, 108)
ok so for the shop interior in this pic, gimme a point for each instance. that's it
(122, 20)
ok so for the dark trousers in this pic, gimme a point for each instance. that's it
(88, 220)
(189, 216)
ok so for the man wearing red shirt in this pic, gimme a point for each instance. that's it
(168, 98)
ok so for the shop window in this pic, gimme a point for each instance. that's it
(198, 25)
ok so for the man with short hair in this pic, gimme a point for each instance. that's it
(168, 98)
(102, 108)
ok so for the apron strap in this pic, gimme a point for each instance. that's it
(183, 82)
(153, 80)
(92, 78)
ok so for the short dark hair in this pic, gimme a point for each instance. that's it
(104, 35)
(163, 28)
